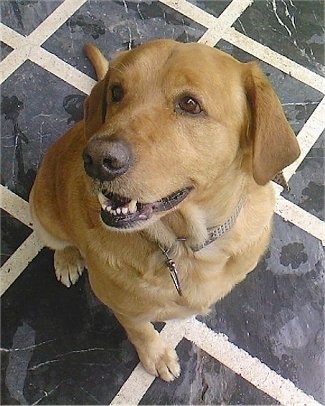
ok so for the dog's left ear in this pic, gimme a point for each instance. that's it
(95, 107)
(274, 143)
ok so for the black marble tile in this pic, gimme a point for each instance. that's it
(118, 25)
(277, 313)
(4, 50)
(24, 16)
(214, 7)
(59, 345)
(307, 184)
(292, 28)
(13, 234)
(204, 381)
(36, 108)
(298, 99)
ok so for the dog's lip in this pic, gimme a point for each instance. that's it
(121, 212)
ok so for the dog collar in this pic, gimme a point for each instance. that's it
(213, 234)
(218, 231)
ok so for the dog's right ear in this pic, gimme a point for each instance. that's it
(274, 143)
(95, 108)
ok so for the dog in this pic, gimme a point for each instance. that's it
(163, 190)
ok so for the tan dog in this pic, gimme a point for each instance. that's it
(177, 140)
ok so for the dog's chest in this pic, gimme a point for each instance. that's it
(191, 283)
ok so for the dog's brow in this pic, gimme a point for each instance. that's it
(118, 68)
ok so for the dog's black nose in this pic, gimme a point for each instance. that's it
(106, 159)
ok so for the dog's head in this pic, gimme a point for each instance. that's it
(170, 120)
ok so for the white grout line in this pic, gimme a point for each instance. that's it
(54, 21)
(10, 36)
(41, 57)
(23, 49)
(15, 206)
(134, 388)
(275, 59)
(61, 69)
(26, 252)
(16, 57)
(139, 381)
(12, 62)
(217, 346)
(242, 363)
(301, 218)
(307, 137)
(191, 11)
(233, 12)
(224, 21)
(18, 261)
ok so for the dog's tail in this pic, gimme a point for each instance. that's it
(98, 60)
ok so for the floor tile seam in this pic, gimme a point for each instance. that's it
(307, 137)
(54, 21)
(48, 61)
(15, 206)
(18, 261)
(300, 218)
(242, 363)
(191, 11)
(61, 69)
(12, 62)
(232, 12)
(17, 56)
(224, 22)
(215, 25)
(10, 36)
(36, 38)
(137, 384)
(275, 59)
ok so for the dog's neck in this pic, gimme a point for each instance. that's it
(197, 223)
(170, 248)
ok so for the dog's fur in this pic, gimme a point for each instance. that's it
(229, 151)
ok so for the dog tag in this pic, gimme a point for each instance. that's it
(173, 273)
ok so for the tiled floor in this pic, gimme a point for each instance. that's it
(264, 343)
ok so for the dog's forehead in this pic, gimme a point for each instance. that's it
(144, 60)
(173, 60)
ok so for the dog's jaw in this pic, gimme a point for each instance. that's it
(120, 213)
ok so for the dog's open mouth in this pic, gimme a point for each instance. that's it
(121, 212)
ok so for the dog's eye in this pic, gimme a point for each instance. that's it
(189, 105)
(117, 93)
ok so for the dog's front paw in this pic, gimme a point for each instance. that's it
(159, 359)
(69, 265)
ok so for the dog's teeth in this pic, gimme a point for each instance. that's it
(113, 212)
(118, 210)
(133, 206)
(125, 210)
(102, 200)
